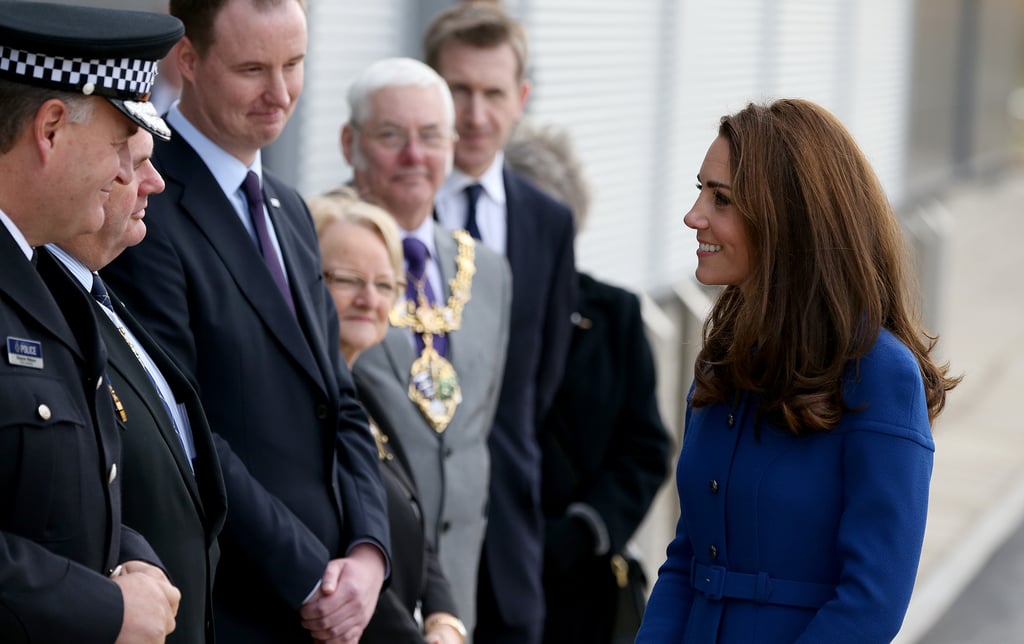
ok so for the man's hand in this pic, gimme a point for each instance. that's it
(150, 603)
(343, 605)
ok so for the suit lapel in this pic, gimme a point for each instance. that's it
(124, 361)
(205, 203)
(400, 352)
(309, 319)
(76, 308)
(25, 286)
(516, 244)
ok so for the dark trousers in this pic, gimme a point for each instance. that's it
(491, 627)
(581, 602)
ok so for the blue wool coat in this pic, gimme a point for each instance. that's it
(800, 539)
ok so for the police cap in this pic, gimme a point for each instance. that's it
(100, 52)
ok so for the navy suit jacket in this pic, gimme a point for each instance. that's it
(60, 506)
(540, 254)
(299, 462)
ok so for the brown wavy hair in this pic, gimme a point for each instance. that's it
(829, 270)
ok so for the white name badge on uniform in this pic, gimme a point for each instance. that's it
(24, 353)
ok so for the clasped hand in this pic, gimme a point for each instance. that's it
(342, 607)
(150, 603)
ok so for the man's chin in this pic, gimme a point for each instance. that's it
(135, 234)
(474, 160)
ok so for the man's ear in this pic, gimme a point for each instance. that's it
(524, 93)
(347, 138)
(47, 125)
(186, 57)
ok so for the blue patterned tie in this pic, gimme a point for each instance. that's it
(99, 292)
(416, 255)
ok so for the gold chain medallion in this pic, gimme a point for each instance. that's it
(433, 384)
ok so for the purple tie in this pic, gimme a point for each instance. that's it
(472, 191)
(254, 196)
(416, 258)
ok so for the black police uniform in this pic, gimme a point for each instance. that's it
(60, 525)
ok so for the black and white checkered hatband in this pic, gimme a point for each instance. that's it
(123, 78)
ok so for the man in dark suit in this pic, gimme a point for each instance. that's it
(229, 282)
(69, 570)
(173, 490)
(481, 52)
(605, 448)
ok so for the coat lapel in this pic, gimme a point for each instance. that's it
(400, 352)
(291, 250)
(132, 371)
(205, 203)
(516, 246)
(25, 286)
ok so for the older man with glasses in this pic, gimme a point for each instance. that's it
(433, 383)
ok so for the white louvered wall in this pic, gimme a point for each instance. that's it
(641, 86)
(344, 37)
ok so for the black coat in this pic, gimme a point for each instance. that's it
(60, 491)
(178, 512)
(300, 467)
(604, 446)
(416, 575)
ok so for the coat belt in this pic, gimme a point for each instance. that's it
(717, 582)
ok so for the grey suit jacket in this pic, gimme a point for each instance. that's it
(452, 469)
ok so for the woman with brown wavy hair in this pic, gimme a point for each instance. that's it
(804, 473)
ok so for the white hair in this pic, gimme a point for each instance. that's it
(396, 72)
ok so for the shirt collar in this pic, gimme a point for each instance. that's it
(77, 268)
(425, 233)
(16, 233)
(491, 180)
(227, 170)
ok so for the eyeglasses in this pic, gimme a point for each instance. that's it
(396, 138)
(351, 282)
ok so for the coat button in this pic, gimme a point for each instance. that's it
(713, 484)
(713, 551)
(44, 412)
(321, 411)
(731, 419)
(113, 473)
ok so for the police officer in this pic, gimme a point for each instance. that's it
(71, 83)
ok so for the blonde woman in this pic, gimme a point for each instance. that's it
(362, 260)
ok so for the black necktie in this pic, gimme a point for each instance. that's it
(472, 191)
(254, 197)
